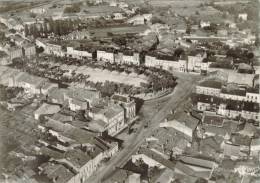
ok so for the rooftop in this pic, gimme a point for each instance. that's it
(211, 84)
(47, 109)
(213, 120)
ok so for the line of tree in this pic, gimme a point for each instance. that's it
(49, 26)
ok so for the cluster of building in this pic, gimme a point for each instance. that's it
(109, 116)
(73, 147)
(193, 63)
(237, 97)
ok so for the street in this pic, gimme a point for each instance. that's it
(150, 113)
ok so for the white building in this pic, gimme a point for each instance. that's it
(105, 56)
(242, 16)
(140, 19)
(255, 147)
(79, 54)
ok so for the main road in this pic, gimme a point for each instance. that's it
(181, 93)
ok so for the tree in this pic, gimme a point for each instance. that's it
(41, 29)
(178, 52)
(155, 20)
(45, 27)
(26, 30)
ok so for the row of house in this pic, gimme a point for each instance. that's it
(229, 108)
(26, 50)
(218, 89)
(192, 64)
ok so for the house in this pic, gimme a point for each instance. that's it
(195, 62)
(12, 23)
(111, 115)
(233, 93)
(231, 150)
(240, 79)
(209, 87)
(118, 16)
(54, 49)
(80, 98)
(243, 142)
(46, 109)
(29, 50)
(165, 62)
(15, 52)
(31, 84)
(106, 56)
(253, 95)
(78, 53)
(140, 19)
(242, 16)
(17, 39)
(4, 58)
(134, 178)
(195, 166)
(127, 57)
(204, 24)
(47, 86)
(212, 120)
(75, 98)
(50, 48)
(38, 10)
(255, 147)
(186, 128)
(207, 102)
(127, 103)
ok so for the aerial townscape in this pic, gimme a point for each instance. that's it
(129, 91)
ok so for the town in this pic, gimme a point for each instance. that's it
(129, 91)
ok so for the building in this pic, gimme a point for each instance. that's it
(75, 98)
(78, 53)
(186, 128)
(47, 87)
(15, 52)
(209, 87)
(29, 50)
(118, 16)
(196, 64)
(255, 147)
(31, 84)
(127, 103)
(165, 62)
(50, 48)
(140, 19)
(38, 10)
(72, 159)
(207, 102)
(46, 109)
(127, 57)
(112, 116)
(4, 58)
(246, 80)
(106, 56)
(242, 16)
(80, 98)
